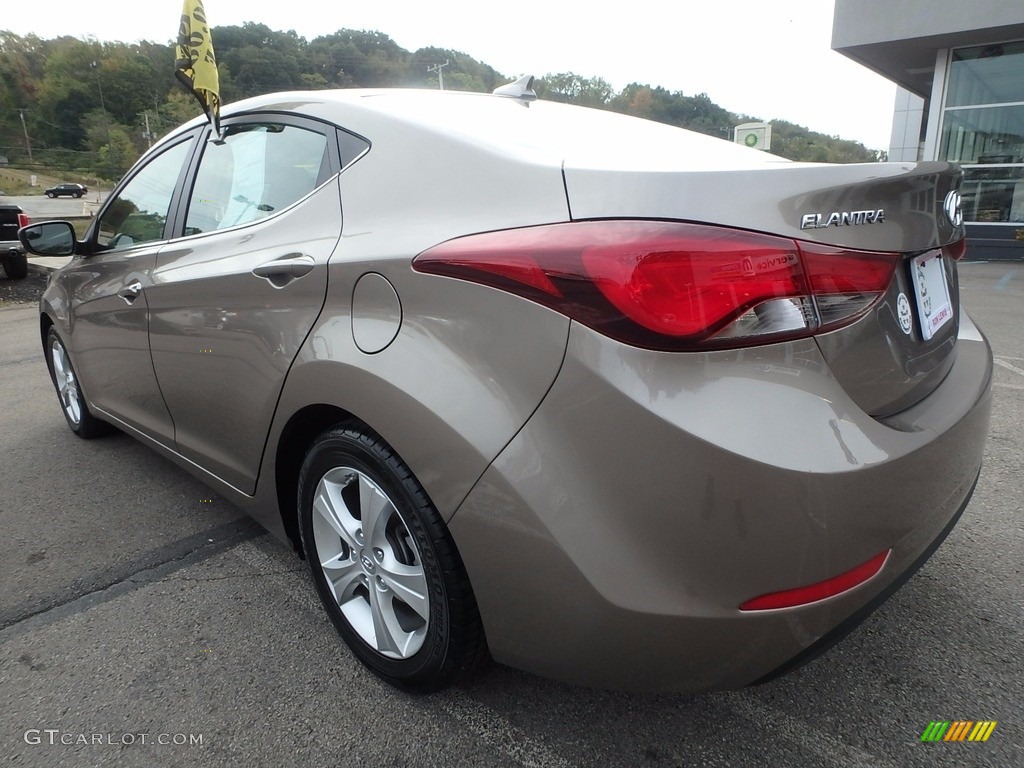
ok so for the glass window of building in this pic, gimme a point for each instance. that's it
(983, 129)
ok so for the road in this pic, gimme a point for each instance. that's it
(41, 207)
(137, 607)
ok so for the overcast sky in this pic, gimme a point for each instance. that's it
(766, 59)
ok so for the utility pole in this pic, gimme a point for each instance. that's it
(148, 135)
(28, 144)
(106, 123)
(440, 75)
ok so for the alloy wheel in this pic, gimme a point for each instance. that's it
(370, 562)
(67, 386)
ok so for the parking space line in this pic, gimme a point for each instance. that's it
(1008, 366)
(1005, 280)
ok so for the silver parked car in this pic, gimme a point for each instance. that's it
(607, 400)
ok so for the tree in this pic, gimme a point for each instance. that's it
(463, 73)
(570, 88)
(260, 60)
(359, 58)
(55, 86)
(179, 107)
(65, 93)
(129, 82)
(117, 155)
(797, 142)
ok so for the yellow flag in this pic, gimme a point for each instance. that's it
(195, 65)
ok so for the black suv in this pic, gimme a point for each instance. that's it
(74, 190)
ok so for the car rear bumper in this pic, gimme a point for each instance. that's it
(612, 541)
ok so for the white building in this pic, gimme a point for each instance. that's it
(960, 71)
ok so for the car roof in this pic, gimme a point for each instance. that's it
(540, 131)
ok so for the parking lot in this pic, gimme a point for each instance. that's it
(39, 207)
(145, 621)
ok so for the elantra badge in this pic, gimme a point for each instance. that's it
(841, 219)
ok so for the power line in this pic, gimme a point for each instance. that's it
(440, 75)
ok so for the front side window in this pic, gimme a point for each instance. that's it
(983, 130)
(256, 171)
(138, 214)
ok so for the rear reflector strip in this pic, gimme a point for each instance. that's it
(789, 598)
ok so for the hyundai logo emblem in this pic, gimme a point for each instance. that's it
(952, 206)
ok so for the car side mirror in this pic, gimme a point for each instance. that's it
(48, 238)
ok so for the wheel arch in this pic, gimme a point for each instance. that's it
(45, 323)
(451, 461)
(297, 437)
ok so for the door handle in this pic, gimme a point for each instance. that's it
(130, 292)
(282, 271)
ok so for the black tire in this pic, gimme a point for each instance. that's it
(69, 394)
(16, 265)
(77, 195)
(51, 195)
(360, 472)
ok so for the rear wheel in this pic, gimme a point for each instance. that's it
(384, 565)
(16, 265)
(72, 403)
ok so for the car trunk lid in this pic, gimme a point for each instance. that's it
(898, 352)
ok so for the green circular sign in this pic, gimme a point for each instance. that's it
(750, 139)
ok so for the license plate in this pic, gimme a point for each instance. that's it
(931, 290)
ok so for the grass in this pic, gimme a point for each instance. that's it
(80, 226)
(15, 181)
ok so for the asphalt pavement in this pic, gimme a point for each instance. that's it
(145, 621)
(40, 207)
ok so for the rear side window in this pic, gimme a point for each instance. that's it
(258, 170)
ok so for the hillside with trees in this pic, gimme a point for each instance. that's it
(89, 107)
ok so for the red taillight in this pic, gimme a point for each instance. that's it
(23, 220)
(688, 287)
(790, 598)
(672, 285)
